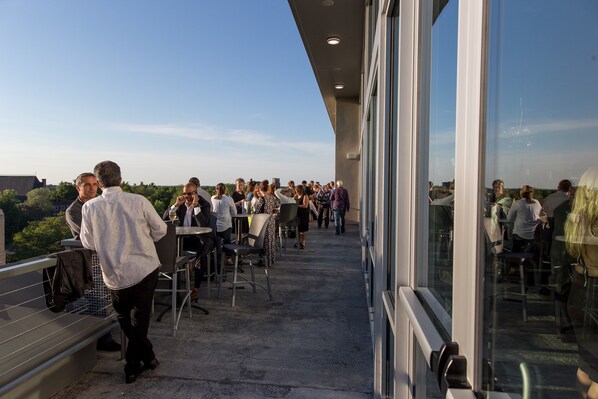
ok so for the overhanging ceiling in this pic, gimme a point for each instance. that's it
(318, 20)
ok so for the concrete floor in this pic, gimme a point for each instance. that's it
(311, 341)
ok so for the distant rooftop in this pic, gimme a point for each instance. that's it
(21, 184)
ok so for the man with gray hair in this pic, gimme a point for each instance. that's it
(339, 200)
(122, 228)
(87, 187)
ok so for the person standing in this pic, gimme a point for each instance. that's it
(525, 216)
(323, 200)
(268, 203)
(87, 187)
(201, 192)
(122, 228)
(340, 206)
(225, 210)
(302, 214)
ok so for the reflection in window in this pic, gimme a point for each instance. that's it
(392, 150)
(438, 93)
(540, 320)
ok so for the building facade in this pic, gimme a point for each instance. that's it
(476, 287)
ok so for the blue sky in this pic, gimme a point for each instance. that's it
(542, 120)
(216, 89)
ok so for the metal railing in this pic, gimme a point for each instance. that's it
(33, 337)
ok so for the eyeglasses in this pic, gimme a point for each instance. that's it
(188, 193)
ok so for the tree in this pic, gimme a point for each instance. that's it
(38, 204)
(163, 197)
(41, 237)
(13, 214)
(65, 191)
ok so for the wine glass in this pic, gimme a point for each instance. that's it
(172, 214)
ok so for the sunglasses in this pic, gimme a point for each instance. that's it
(188, 193)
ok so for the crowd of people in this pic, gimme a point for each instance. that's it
(123, 227)
(562, 230)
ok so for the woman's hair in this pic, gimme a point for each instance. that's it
(583, 219)
(299, 190)
(220, 190)
(250, 187)
(272, 188)
(527, 192)
(264, 186)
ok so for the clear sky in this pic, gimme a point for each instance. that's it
(167, 89)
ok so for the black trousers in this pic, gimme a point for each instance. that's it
(323, 215)
(133, 306)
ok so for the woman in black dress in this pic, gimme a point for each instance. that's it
(302, 214)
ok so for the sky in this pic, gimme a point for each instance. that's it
(542, 93)
(168, 90)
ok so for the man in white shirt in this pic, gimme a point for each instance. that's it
(122, 228)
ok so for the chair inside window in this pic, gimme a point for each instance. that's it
(287, 222)
(495, 233)
(252, 247)
(171, 266)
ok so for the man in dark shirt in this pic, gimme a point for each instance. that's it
(340, 206)
(87, 187)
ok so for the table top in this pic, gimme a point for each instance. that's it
(192, 230)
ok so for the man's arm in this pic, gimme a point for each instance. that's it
(73, 219)
(156, 224)
(86, 234)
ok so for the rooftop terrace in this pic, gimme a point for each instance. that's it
(311, 341)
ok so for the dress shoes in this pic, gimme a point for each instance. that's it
(151, 365)
(131, 373)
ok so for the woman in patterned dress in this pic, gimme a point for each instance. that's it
(268, 203)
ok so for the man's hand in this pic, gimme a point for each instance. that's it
(180, 200)
(195, 200)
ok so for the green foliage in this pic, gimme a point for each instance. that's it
(65, 191)
(13, 213)
(161, 197)
(41, 237)
(38, 203)
(44, 233)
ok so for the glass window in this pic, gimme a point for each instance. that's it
(392, 150)
(541, 291)
(437, 141)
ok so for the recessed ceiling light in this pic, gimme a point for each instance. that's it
(339, 86)
(327, 3)
(333, 40)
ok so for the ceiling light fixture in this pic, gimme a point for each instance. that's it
(327, 3)
(339, 86)
(333, 40)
